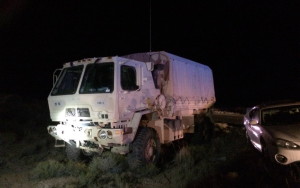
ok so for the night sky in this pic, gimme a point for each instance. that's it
(252, 46)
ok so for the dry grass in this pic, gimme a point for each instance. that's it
(193, 164)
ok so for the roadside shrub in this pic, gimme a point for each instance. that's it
(125, 180)
(104, 168)
(108, 162)
(48, 169)
(62, 182)
(148, 170)
(51, 169)
(184, 158)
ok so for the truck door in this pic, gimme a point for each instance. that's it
(130, 96)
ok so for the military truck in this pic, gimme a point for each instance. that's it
(128, 104)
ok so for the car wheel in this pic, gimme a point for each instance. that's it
(145, 149)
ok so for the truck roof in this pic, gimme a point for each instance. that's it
(88, 61)
(148, 56)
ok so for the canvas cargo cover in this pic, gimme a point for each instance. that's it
(187, 82)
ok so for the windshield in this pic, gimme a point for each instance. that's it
(68, 81)
(281, 115)
(98, 78)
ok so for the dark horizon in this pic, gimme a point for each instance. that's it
(252, 47)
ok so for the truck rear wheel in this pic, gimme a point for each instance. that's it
(145, 149)
(73, 153)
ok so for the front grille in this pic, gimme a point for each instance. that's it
(79, 112)
(83, 112)
(70, 112)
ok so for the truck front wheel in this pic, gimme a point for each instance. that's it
(145, 149)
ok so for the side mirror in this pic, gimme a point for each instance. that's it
(253, 122)
(56, 75)
(150, 66)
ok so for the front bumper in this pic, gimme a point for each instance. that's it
(90, 137)
(287, 156)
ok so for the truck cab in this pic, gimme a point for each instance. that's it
(94, 101)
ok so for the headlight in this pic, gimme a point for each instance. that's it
(286, 144)
(102, 134)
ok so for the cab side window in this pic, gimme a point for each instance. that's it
(128, 78)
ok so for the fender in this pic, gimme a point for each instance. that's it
(135, 122)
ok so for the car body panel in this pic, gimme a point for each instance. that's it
(290, 132)
(264, 128)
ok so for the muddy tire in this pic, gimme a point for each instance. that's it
(73, 153)
(145, 149)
